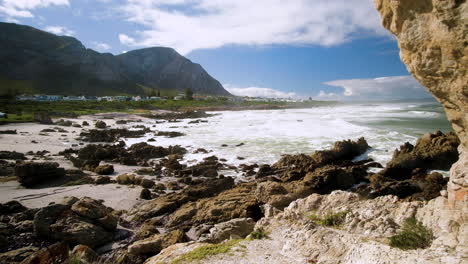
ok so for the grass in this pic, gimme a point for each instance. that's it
(413, 235)
(330, 219)
(23, 111)
(259, 233)
(207, 251)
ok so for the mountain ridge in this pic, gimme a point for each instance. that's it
(35, 61)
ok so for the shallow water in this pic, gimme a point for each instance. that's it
(267, 134)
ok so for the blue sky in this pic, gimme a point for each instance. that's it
(328, 49)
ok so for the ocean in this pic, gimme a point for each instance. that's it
(268, 134)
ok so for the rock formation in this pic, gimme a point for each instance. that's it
(432, 36)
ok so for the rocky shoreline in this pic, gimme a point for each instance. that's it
(101, 201)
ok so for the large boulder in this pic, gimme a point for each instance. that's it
(100, 124)
(106, 169)
(436, 151)
(77, 221)
(32, 173)
(239, 202)
(171, 202)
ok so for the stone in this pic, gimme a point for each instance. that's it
(56, 253)
(76, 221)
(43, 118)
(126, 179)
(239, 227)
(11, 155)
(100, 124)
(17, 255)
(33, 173)
(104, 169)
(145, 194)
(145, 183)
(84, 254)
(155, 243)
(12, 207)
(103, 180)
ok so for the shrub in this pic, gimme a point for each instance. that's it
(331, 219)
(259, 233)
(413, 235)
(203, 252)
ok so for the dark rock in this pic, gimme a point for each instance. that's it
(170, 134)
(84, 254)
(85, 123)
(62, 122)
(154, 244)
(11, 155)
(145, 194)
(263, 171)
(111, 135)
(76, 221)
(11, 207)
(100, 124)
(104, 169)
(103, 180)
(31, 173)
(56, 253)
(145, 183)
(8, 132)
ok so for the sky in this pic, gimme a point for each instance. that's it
(324, 49)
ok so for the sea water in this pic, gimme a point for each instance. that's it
(268, 134)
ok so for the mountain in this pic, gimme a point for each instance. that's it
(35, 61)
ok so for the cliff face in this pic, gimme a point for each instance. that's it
(432, 36)
(40, 62)
(433, 39)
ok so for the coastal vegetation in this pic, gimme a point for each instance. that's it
(23, 111)
(330, 219)
(413, 235)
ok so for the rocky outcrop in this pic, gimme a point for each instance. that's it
(32, 173)
(76, 221)
(431, 35)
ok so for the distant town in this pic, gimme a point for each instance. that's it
(55, 98)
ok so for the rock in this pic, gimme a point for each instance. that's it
(170, 134)
(273, 193)
(111, 135)
(145, 183)
(84, 254)
(342, 150)
(263, 171)
(85, 123)
(31, 173)
(156, 243)
(329, 178)
(43, 118)
(239, 227)
(8, 132)
(100, 124)
(170, 202)
(126, 179)
(148, 228)
(56, 253)
(239, 202)
(196, 232)
(17, 255)
(11, 207)
(432, 152)
(76, 221)
(11, 155)
(104, 169)
(103, 180)
(145, 194)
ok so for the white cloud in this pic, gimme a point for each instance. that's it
(126, 40)
(397, 87)
(11, 9)
(58, 30)
(204, 24)
(100, 46)
(258, 92)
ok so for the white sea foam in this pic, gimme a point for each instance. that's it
(267, 134)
